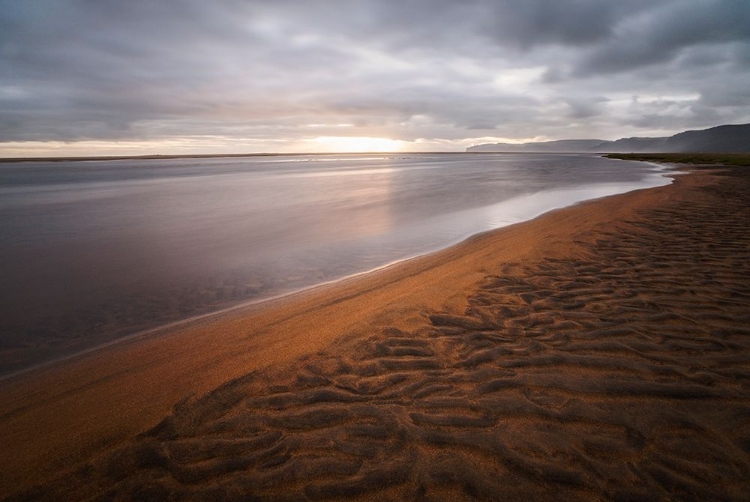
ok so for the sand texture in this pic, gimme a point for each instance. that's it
(599, 352)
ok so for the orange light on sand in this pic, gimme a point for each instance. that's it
(355, 144)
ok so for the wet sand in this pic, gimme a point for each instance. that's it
(597, 352)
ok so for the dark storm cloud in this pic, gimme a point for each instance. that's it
(666, 31)
(437, 70)
(577, 23)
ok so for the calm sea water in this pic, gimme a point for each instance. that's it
(92, 251)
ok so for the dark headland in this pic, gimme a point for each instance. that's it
(721, 139)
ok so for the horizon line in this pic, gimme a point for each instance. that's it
(77, 158)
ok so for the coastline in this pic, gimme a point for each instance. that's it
(55, 417)
(130, 313)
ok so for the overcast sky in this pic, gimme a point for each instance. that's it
(172, 76)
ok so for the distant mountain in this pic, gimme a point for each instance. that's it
(724, 139)
(564, 145)
(632, 145)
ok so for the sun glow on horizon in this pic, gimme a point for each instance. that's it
(207, 145)
(356, 144)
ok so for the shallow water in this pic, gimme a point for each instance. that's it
(92, 251)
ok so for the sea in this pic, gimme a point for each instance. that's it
(94, 251)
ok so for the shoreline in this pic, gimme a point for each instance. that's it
(249, 306)
(518, 209)
(55, 417)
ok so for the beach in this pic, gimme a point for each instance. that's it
(600, 351)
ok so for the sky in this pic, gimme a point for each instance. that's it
(113, 77)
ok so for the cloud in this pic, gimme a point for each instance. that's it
(529, 24)
(439, 72)
(661, 34)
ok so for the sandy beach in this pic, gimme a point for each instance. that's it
(600, 351)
